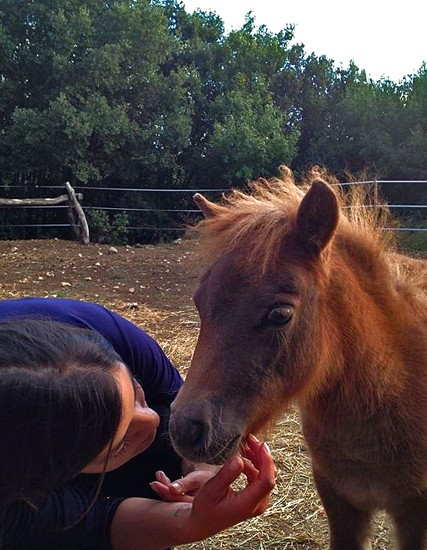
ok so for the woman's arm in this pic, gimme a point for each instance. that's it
(142, 524)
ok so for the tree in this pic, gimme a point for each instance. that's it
(249, 138)
(238, 132)
(349, 123)
(413, 153)
(88, 100)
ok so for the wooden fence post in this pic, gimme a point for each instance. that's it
(84, 228)
(72, 198)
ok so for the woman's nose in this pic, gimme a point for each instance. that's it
(144, 418)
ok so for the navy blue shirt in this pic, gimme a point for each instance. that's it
(62, 520)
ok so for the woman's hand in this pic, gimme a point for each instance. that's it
(216, 506)
(183, 489)
(154, 525)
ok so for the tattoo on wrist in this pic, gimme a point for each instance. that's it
(181, 509)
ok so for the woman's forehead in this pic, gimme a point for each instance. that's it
(126, 386)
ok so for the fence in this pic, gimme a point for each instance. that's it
(171, 218)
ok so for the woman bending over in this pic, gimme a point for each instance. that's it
(85, 461)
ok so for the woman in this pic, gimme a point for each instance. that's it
(83, 458)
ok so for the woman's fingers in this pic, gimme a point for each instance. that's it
(216, 494)
(218, 506)
(188, 485)
(258, 491)
(191, 483)
(162, 477)
(216, 488)
(163, 491)
(251, 448)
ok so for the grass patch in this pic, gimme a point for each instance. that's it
(413, 241)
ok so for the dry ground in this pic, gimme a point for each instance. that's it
(152, 286)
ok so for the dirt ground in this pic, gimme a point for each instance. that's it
(129, 279)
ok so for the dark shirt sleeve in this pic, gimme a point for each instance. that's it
(67, 520)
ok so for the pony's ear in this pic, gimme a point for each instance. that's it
(317, 217)
(208, 208)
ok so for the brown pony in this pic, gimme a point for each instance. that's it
(305, 302)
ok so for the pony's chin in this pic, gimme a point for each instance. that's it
(215, 456)
(227, 451)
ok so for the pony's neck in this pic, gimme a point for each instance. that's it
(364, 310)
(364, 263)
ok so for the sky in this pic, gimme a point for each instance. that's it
(386, 38)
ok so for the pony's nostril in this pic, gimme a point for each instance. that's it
(195, 435)
(189, 432)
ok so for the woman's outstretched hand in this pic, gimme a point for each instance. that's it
(217, 506)
(183, 489)
(204, 505)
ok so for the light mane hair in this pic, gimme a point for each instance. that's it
(262, 217)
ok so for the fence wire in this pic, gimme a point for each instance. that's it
(191, 211)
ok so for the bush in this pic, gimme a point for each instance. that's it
(106, 230)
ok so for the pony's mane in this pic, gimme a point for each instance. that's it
(262, 216)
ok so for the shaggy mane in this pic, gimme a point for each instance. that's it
(265, 214)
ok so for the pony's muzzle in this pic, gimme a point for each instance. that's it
(198, 435)
(190, 433)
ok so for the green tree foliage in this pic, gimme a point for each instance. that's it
(89, 100)
(413, 158)
(250, 138)
(360, 124)
(238, 130)
(141, 93)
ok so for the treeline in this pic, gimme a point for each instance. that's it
(142, 94)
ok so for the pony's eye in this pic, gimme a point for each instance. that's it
(280, 315)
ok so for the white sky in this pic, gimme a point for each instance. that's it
(384, 37)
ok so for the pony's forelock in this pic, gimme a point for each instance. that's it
(262, 216)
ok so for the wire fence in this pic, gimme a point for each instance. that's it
(418, 222)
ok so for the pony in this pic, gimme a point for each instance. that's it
(305, 300)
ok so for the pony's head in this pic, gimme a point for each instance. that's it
(265, 336)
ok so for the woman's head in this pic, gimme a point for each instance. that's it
(137, 428)
(62, 405)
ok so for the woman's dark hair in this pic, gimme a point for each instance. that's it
(60, 405)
